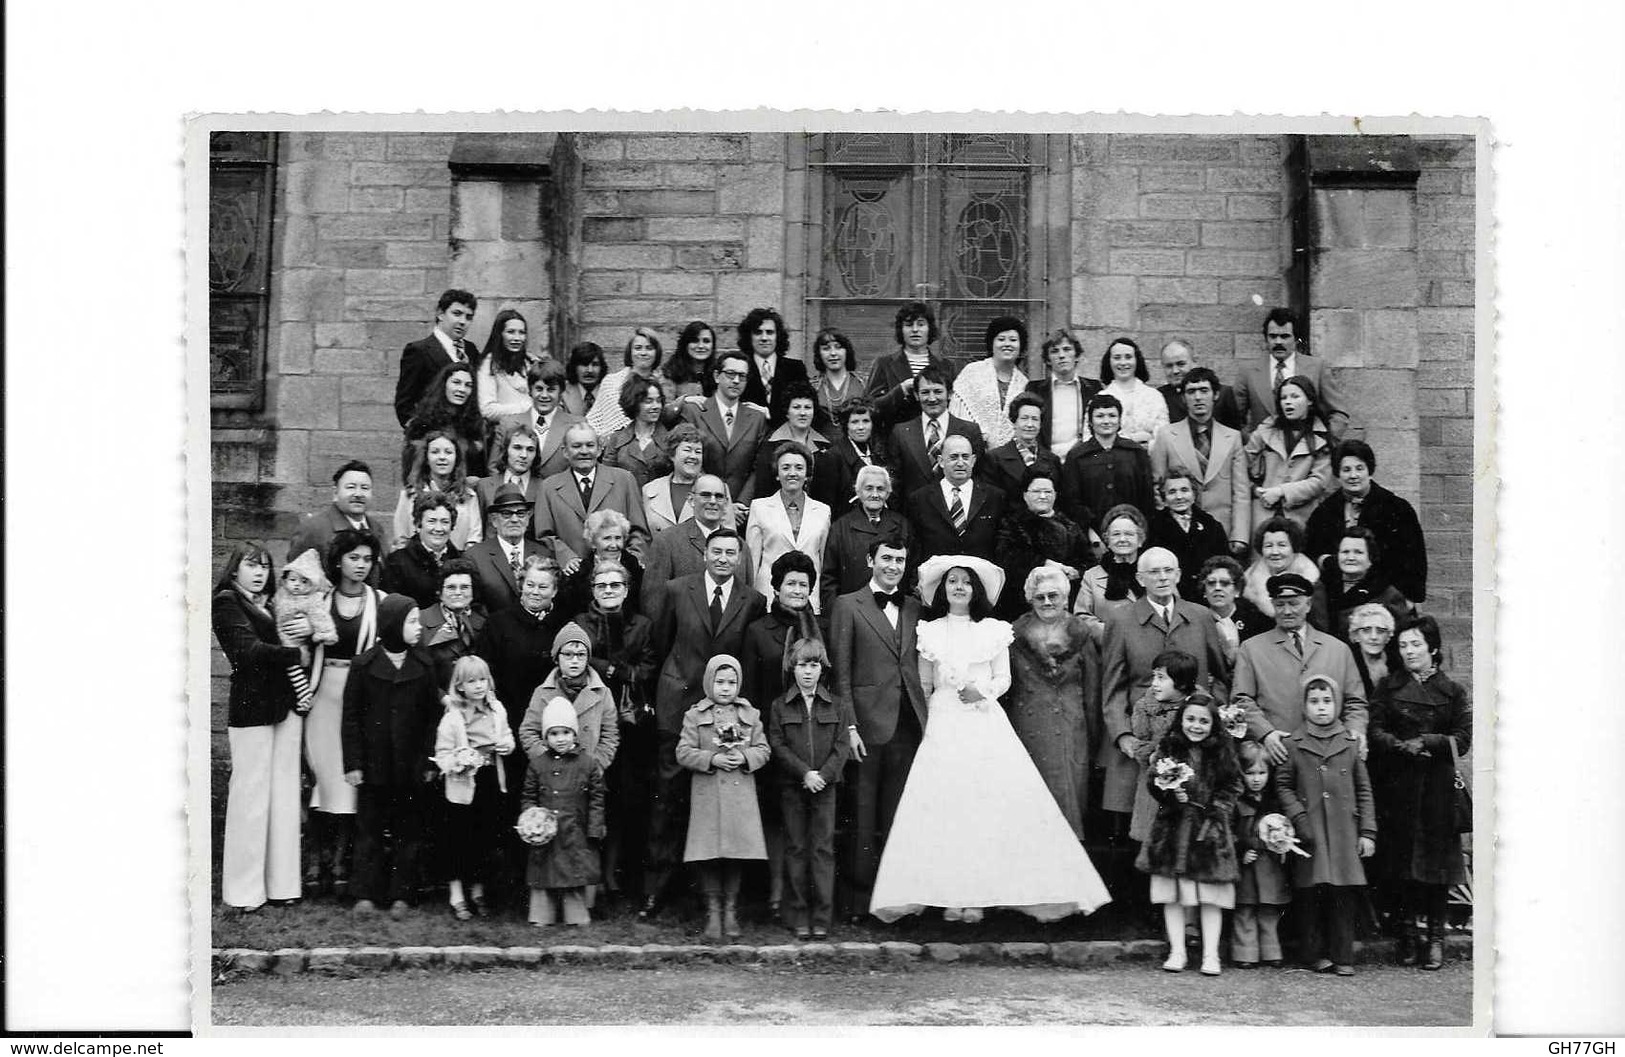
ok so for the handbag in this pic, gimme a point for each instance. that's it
(1461, 795)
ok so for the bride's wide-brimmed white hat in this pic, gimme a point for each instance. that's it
(937, 566)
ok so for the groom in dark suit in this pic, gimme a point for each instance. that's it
(877, 688)
(422, 359)
(701, 616)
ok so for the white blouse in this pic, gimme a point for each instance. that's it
(500, 393)
(1144, 409)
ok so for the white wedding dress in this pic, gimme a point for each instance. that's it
(976, 825)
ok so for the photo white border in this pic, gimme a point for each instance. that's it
(1550, 84)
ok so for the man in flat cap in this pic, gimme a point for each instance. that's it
(1270, 669)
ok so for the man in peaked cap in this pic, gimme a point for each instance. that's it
(1270, 669)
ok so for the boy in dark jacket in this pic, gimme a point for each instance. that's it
(391, 711)
(1327, 797)
(806, 733)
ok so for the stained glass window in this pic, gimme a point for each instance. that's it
(242, 167)
(940, 217)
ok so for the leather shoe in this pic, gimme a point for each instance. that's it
(1344, 970)
(397, 910)
(820, 934)
(803, 932)
(364, 908)
(651, 907)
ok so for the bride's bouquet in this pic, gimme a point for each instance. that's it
(1234, 720)
(1277, 834)
(1169, 774)
(537, 825)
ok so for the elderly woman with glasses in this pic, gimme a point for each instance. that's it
(1054, 700)
(1114, 584)
(606, 534)
(1371, 635)
(623, 653)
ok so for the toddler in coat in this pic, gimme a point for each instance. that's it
(805, 732)
(1262, 888)
(473, 732)
(724, 743)
(1326, 796)
(303, 589)
(1191, 853)
(567, 781)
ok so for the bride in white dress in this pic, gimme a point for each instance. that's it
(976, 826)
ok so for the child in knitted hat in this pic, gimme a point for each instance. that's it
(573, 678)
(568, 782)
(303, 589)
(724, 743)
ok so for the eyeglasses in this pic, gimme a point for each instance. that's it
(609, 585)
(510, 514)
(737, 376)
(1048, 596)
(1219, 581)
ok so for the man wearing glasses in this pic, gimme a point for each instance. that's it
(499, 557)
(680, 550)
(731, 431)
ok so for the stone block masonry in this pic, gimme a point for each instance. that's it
(1175, 236)
(678, 228)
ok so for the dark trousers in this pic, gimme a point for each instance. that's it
(874, 786)
(389, 840)
(1326, 916)
(470, 837)
(668, 818)
(809, 854)
(630, 781)
(1419, 900)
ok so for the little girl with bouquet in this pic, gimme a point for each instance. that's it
(1191, 853)
(724, 743)
(473, 732)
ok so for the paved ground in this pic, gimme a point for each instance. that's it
(925, 995)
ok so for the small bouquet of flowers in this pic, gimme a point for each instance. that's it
(730, 736)
(459, 761)
(1170, 774)
(1278, 836)
(537, 825)
(1234, 719)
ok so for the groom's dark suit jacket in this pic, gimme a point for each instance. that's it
(876, 667)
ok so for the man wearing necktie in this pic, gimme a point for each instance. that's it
(700, 616)
(1255, 387)
(1271, 668)
(499, 557)
(1134, 637)
(566, 498)
(957, 515)
(772, 372)
(421, 360)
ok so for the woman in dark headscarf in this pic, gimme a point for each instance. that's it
(766, 674)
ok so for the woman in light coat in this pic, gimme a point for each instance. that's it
(788, 520)
(1289, 455)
